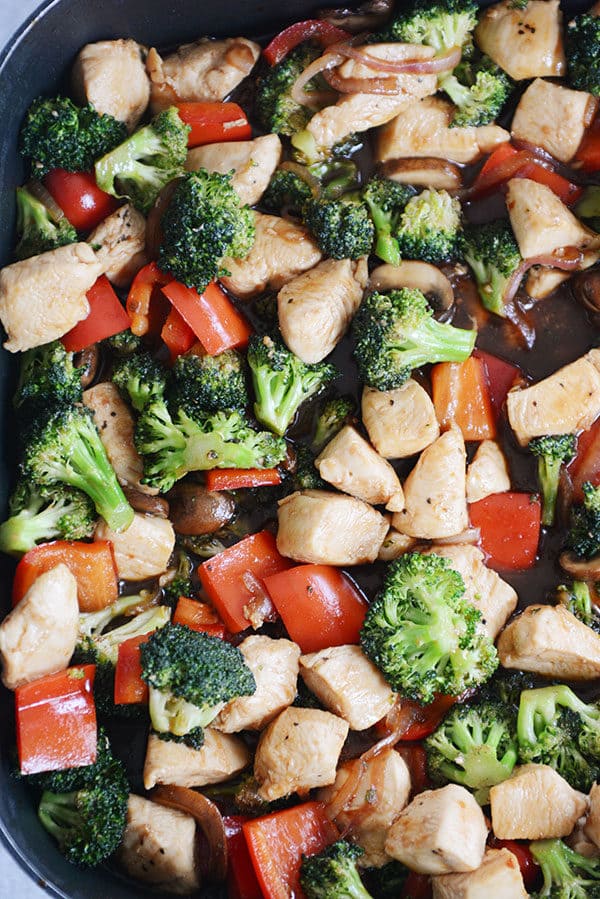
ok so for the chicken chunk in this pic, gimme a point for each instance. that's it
(43, 297)
(441, 831)
(348, 684)
(487, 473)
(143, 550)
(120, 244)
(274, 664)
(252, 161)
(381, 790)
(424, 129)
(39, 636)
(408, 83)
(281, 251)
(221, 756)
(316, 307)
(435, 491)
(159, 847)
(351, 464)
(498, 876)
(111, 75)
(526, 43)
(399, 422)
(592, 822)
(543, 281)
(550, 640)
(299, 750)
(206, 70)
(321, 527)
(535, 803)
(553, 117)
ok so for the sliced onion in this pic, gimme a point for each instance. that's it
(37, 189)
(567, 259)
(385, 86)
(501, 173)
(302, 172)
(260, 608)
(347, 791)
(433, 66)
(470, 535)
(315, 99)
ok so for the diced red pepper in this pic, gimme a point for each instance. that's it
(237, 478)
(146, 304)
(417, 886)
(586, 464)
(56, 721)
(80, 198)
(106, 318)
(422, 720)
(212, 122)
(564, 189)
(211, 315)
(461, 396)
(319, 605)
(241, 879)
(324, 32)
(530, 870)
(129, 686)
(510, 529)
(588, 154)
(197, 616)
(416, 760)
(507, 162)
(177, 336)
(501, 376)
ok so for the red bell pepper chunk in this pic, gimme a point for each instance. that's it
(92, 565)
(586, 464)
(177, 336)
(212, 122)
(319, 605)
(417, 886)
(565, 190)
(56, 721)
(80, 198)
(324, 32)
(421, 720)
(277, 842)
(461, 396)
(198, 617)
(530, 870)
(146, 305)
(507, 162)
(241, 879)
(236, 478)
(211, 315)
(501, 377)
(106, 317)
(227, 578)
(588, 154)
(129, 686)
(510, 529)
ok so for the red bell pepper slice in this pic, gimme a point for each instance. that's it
(241, 879)
(422, 720)
(92, 565)
(211, 315)
(146, 305)
(510, 529)
(277, 842)
(588, 154)
(237, 478)
(106, 318)
(501, 376)
(507, 162)
(530, 870)
(227, 577)
(80, 198)
(214, 122)
(417, 886)
(586, 464)
(319, 605)
(56, 721)
(176, 335)
(198, 617)
(324, 32)
(461, 396)
(129, 686)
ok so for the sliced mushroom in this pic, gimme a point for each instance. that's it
(366, 17)
(429, 172)
(195, 510)
(145, 503)
(586, 289)
(582, 570)
(87, 360)
(416, 276)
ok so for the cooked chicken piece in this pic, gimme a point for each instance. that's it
(220, 758)
(120, 244)
(299, 750)
(535, 803)
(578, 840)
(435, 491)
(348, 684)
(143, 550)
(485, 589)
(423, 128)
(351, 464)
(44, 297)
(253, 162)
(111, 75)
(274, 664)
(321, 527)
(498, 876)
(439, 832)
(553, 117)
(281, 251)
(566, 402)
(159, 847)
(526, 43)
(411, 84)
(316, 307)
(550, 640)
(204, 70)
(381, 791)
(399, 422)
(592, 822)
(542, 281)
(487, 473)
(395, 545)
(39, 636)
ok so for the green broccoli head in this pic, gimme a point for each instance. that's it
(125, 343)
(582, 39)
(336, 413)
(479, 89)
(588, 206)
(332, 874)
(39, 230)
(146, 161)
(387, 882)
(396, 332)
(342, 228)
(552, 452)
(140, 378)
(48, 377)
(577, 599)
(305, 475)
(386, 200)
(567, 874)
(442, 25)
(98, 633)
(429, 229)
(277, 111)
(181, 582)
(286, 191)
(422, 633)
(493, 256)
(204, 223)
(584, 533)
(39, 514)
(204, 384)
(193, 739)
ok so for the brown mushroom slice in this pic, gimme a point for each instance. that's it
(195, 510)
(580, 569)
(366, 17)
(586, 289)
(429, 172)
(145, 503)
(87, 360)
(416, 276)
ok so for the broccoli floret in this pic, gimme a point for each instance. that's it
(277, 111)
(342, 228)
(172, 447)
(282, 381)
(47, 378)
(493, 256)
(335, 176)
(567, 874)
(588, 207)
(39, 230)
(475, 746)
(181, 582)
(336, 413)
(146, 161)
(58, 134)
(582, 39)
(578, 601)
(125, 343)
(505, 687)
(386, 200)
(64, 448)
(39, 514)
(93, 633)
(191, 677)
(193, 739)
(286, 191)
(422, 634)
(332, 874)
(442, 25)
(396, 333)
(387, 882)
(305, 475)
(429, 228)
(552, 452)
(584, 534)
(140, 378)
(479, 89)
(209, 383)
(205, 222)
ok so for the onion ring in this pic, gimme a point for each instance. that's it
(567, 259)
(443, 63)
(314, 99)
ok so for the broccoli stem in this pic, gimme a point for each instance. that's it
(434, 341)
(91, 472)
(543, 703)
(386, 246)
(58, 813)
(549, 477)
(22, 532)
(202, 449)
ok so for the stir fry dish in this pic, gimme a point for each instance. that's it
(306, 518)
